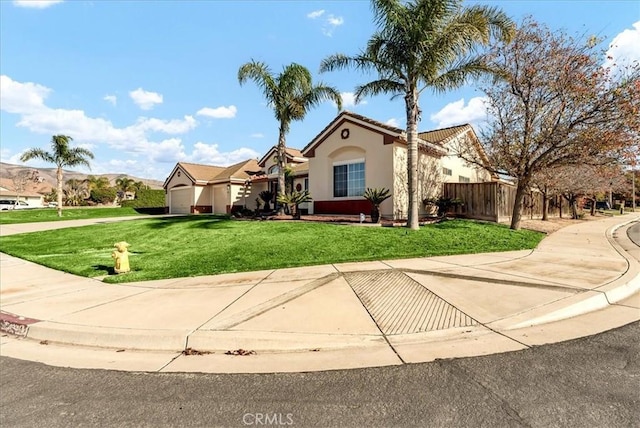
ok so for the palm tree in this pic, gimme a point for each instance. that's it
(75, 191)
(125, 185)
(62, 156)
(291, 94)
(294, 199)
(422, 44)
(376, 197)
(99, 182)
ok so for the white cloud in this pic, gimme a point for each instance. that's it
(393, 122)
(36, 4)
(111, 99)
(315, 14)
(625, 48)
(335, 21)
(349, 99)
(257, 135)
(218, 112)
(175, 126)
(17, 97)
(332, 22)
(329, 23)
(144, 99)
(209, 154)
(27, 100)
(456, 113)
(146, 157)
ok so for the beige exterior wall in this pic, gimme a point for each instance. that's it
(202, 195)
(361, 144)
(459, 167)
(429, 180)
(256, 188)
(220, 198)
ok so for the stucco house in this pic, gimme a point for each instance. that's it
(31, 197)
(198, 189)
(354, 152)
(351, 153)
(193, 188)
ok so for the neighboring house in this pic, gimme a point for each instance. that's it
(354, 152)
(35, 200)
(350, 154)
(193, 188)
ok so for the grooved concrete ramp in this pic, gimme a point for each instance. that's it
(400, 305)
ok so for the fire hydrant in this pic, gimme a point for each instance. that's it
(121, 257)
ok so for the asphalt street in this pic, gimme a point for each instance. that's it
(589, 382)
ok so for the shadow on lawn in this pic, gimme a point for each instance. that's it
(192, 221)
(108, 269)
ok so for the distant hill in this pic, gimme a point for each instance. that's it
(48, 177)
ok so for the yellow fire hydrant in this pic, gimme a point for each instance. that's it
(121, 257)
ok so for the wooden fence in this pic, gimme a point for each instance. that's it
(494, 201)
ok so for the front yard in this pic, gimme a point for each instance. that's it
(37, 215)
(206, 245)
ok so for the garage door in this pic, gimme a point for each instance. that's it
(181, 201)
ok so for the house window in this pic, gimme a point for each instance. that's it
(306, 184)
(463, 179)
(273, 169)
(348, 179)
(447, 171)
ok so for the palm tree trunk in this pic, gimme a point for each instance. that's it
(412, 111)
(59, 186)
(281, 166)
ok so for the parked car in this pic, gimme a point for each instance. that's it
(6, 204)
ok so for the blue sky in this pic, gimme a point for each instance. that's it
(146, 84)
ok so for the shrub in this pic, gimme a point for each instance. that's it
(146, 198)
(104, 195)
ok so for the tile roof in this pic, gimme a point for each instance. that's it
(198, 172)
(290, 152)
(442, 136)
(240, 171)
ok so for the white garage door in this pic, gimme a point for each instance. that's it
(181, 201)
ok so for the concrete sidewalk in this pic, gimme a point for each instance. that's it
(578, 282)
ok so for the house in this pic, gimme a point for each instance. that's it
(193, 188)
(350, 154)
(31, 197)
(354, 152)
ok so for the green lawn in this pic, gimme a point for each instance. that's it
(206, 245)
(51, 214)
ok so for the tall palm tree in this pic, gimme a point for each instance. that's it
(422, 44)
(291, 94)
(62, 156)
(125, 185)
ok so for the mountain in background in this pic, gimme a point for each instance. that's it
(47, 177)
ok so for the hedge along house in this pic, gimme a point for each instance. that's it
(354, 152)
(194, 189)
